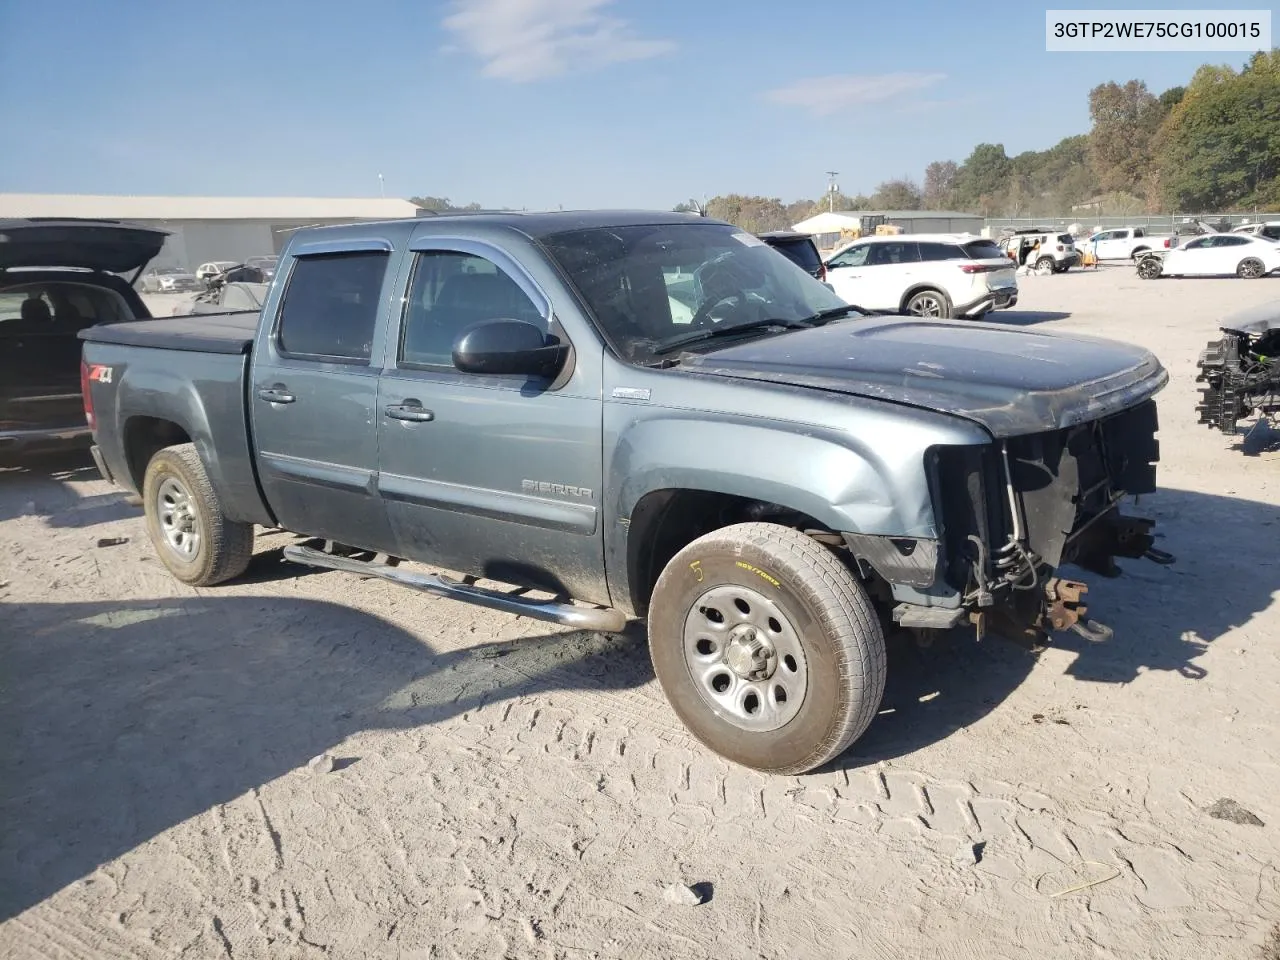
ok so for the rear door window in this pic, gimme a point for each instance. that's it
(1270, 232)
(892, 252)
(330, 306)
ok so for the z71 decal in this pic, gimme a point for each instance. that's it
(99, 373)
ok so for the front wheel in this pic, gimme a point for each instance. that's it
(194, 540)
(767, 647)
(929, 303)
(1251, 269)
(1149, 269)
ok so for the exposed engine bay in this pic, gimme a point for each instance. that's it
(1013, 512)
(1241, 371)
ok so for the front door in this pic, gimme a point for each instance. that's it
(488, 475)
(313, 398)
(845, 274)
(892, 267)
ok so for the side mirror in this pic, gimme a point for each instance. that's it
(510, 347)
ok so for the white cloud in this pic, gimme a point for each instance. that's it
(524, 40)
(824, 96)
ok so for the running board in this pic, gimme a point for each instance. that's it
(598, 619)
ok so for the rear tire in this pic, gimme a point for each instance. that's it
(767, 647)
(1149, 269)
(1046, 265)
(192, 537)
(928, 303)
(1251, 268)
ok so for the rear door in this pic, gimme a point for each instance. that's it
(495, 476)
(313, 393)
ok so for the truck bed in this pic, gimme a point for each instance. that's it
(230, 333)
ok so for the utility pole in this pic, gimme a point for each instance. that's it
(831, 189)
(382, 187)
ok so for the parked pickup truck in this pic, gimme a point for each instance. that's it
(767, 476)
(1126, 243)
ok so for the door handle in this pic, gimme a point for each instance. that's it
(410, 411)
(276, 394)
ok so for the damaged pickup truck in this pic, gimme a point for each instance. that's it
(645, 416)
(1241, 370)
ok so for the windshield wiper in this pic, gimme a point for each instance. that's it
(697, 336)
(825, 316)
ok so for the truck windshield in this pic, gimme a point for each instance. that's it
(650, 284)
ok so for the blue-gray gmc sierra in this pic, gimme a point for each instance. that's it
(647, 416)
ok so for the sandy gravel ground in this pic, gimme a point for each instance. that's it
(504, 789)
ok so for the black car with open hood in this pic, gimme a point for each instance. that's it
(57, 277)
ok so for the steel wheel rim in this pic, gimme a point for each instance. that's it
(926, 305)
(757, 684)
(179, 521)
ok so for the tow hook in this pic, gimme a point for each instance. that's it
(1159, 556)
(1062, 603)
(1092, 630)
(1063, 611)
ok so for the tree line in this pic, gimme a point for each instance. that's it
(1211, 146)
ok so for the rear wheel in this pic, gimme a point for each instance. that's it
(1251, 269)
(1149, 269)
(193, 539)
(767, 647)
(1046, 265)
(928, 303)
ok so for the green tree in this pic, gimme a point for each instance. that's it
(940, 185)
(755, 214)
(983, 178)
(441, 204)
(1220, 145)
(1125, 121)
(900, 194)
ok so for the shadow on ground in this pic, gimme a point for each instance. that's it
(1164, 618)
(38, 484)
(123, 719)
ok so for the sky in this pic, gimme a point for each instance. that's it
(532, 103)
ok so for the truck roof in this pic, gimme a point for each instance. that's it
(532, 224)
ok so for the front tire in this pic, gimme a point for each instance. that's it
(193, 539)
(928, 303)
(767, 647)
(1251, 268)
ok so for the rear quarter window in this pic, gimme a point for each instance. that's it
(947, 251)
(983, 250)
(801, 252)
(330, 306)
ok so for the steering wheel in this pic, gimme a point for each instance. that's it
(703, 313)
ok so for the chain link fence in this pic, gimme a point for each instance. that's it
(1165, 223)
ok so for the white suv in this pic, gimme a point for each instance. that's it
(926, 274)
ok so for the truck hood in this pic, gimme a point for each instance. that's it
(1011, 381)
(86, 244)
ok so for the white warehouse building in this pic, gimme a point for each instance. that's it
(204, 229)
